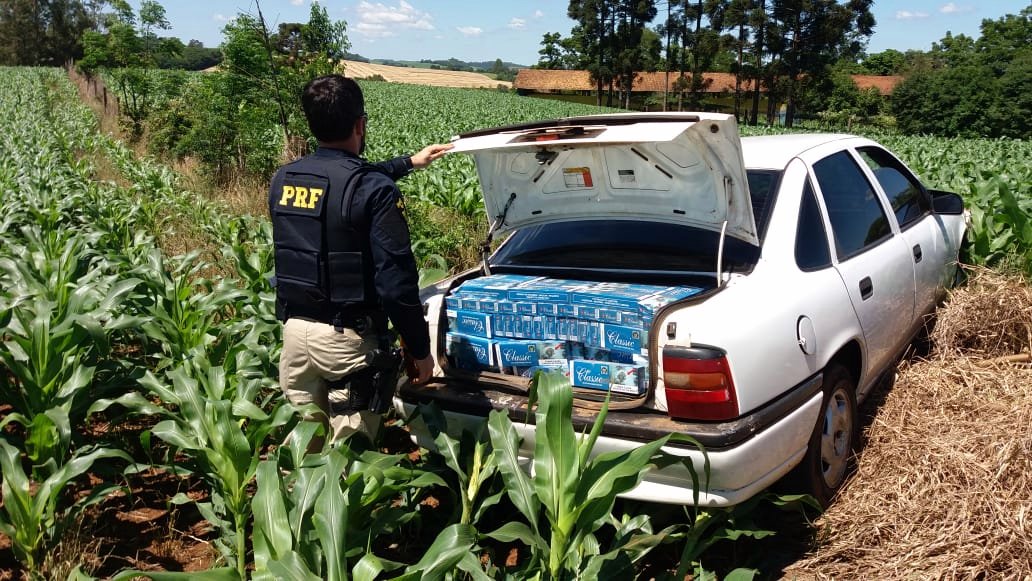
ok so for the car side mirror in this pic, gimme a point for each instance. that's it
(947, 202)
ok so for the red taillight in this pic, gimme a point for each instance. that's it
(698, 384)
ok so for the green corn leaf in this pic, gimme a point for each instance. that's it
(370, 566)
(555, 446)
(470, 564)
(220, 574)
(449, 448)
(517, 531)
(132, 401)
(518, 486)
(171, 433)
(270, 513)
(444, 555)
(330, 519)
(741, 574)
(609, 475)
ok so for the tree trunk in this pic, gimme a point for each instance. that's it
(666, 69)
(738, 72)
(758, 52)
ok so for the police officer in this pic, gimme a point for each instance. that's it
(344, 261)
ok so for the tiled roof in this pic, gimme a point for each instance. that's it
(885, 84)
(562, 80)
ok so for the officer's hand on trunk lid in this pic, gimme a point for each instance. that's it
(429, 154)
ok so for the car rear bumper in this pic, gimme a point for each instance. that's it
(745, 455)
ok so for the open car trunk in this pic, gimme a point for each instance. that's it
(598, 326)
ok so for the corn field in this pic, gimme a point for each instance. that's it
(121, 362)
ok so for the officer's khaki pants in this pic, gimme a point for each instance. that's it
(314, 354)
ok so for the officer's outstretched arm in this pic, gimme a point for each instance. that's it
(396, 277)
(430, 153)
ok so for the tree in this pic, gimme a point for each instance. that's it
(813, 34)
(886, 62)
(126, 48)
(44, 32)
(590, 36)
(551, 51)
(628, 57)
(972, 87)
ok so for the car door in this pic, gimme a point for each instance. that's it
(873, 260)
(924, 232)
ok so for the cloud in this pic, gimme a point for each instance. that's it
(382, 20)
(297, 2)
(908, 15)
(952, 8)
(517, 23)
(220, 18)
(469, 30)
(539, 14)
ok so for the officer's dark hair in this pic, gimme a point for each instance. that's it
(332, 105)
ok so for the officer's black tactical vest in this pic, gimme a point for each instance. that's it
(323, 259)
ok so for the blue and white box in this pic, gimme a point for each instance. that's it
(488, 306)
(625, 339)
(566, 310)
(546, 290)
(507, 307)
(648, 306)
(587, 312)
(607, 315)
(495, 287)
(627, 379)
(526, 308)
(590, 374)
(629, 319)
(453, 302)
(470, 353)
(549, 309)
(470, 323)
(531, 353)
(470, 304)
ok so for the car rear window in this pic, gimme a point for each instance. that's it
(638, 245)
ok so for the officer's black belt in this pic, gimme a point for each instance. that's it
(358, 320)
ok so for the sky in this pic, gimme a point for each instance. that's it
(512, 29)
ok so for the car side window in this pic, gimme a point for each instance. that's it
(909, 201)
(811, 243)
(857, 218)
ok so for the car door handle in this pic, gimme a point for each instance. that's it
(866, 288)
(918, 255)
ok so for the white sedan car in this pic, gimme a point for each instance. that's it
(797, 269)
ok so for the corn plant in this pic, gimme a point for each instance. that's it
(219, 423)
(319, 516)
(470, 460)
(50, 354)
(183, 311)
(32, 514)
(574, 491)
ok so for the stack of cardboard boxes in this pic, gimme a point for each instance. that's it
(596, 333)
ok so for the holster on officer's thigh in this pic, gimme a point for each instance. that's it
(370, 388)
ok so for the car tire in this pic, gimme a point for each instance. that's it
(829, 455)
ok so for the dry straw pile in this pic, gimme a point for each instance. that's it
(943, 487)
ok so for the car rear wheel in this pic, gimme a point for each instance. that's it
(829, 456)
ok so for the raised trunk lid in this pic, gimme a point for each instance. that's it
(676, 168)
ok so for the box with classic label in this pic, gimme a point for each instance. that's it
(470, 323)
(590, 374)
(470, 353)
(625, 339)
